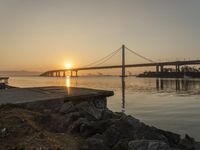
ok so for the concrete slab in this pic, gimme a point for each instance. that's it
(27, 95)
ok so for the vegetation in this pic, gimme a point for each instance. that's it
(183, 69)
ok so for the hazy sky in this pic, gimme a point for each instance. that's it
(39, 35)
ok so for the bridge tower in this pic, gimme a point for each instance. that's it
(123, 61)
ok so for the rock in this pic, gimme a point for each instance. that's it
(87, 130)
(152, 133)
(173, 138)
(197, 145)
(121, 145)
(67, 107)
(99, 102)
(89, 108)
(3, 133)
(75, 126)
(94, 127)
(135, 123)
(108, 114)
(121, 129)
(147, 145)
(187, 143)
(96, 143)
(130, 128)
(70, 118)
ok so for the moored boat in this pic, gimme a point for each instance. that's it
(3, 82)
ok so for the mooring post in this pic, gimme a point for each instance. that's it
(123, 61)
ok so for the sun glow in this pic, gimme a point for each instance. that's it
(68, 66)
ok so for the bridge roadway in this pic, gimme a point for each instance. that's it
(159, 67)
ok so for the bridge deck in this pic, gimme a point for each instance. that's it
(173, 63)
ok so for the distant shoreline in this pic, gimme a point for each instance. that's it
(170, 75)
(19, 73)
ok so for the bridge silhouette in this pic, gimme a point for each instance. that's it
(96, 64)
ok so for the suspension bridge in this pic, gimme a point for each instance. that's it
(96, 65)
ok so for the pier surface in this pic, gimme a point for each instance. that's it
(36, 94)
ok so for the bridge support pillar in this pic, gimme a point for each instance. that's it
(71, 73)
(123, 61)
(64, 74)
(157, 69)
(76, 73)
(161, 68)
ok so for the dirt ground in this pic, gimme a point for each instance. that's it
(21, 130)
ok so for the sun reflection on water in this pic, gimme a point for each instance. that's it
(68, 84)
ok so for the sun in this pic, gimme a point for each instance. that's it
(68, 66)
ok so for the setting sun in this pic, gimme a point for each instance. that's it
(68, 66)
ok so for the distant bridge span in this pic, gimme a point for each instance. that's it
(159, 67)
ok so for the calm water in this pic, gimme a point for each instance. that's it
(169, 104)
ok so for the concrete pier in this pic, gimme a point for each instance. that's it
(53, 97)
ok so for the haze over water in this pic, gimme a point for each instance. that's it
(173, 106)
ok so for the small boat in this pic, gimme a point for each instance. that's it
(3, 82)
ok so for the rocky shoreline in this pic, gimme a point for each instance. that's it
(88, 127)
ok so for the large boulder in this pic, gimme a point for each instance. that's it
(108, 114)
(89, 108)
(67, 107)
(94, 127)
(68, 119)
(96, 143)
(147, 145)
(75, 126)
(152, 133)
(187, 143)
(122, 129)
(121, 145)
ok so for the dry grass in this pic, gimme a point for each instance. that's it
(19, 129)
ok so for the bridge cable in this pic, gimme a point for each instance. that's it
(104, 58)
(140, 55)
(107, 59)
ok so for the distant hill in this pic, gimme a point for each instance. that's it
(19, 73)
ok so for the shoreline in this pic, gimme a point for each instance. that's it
(76, 127)
(187, 75)
(88, 123)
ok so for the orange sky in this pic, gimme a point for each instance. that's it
(43, 35)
